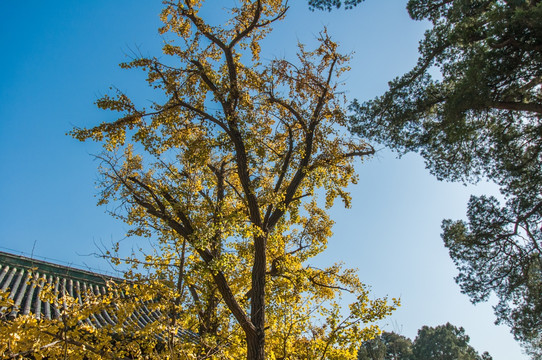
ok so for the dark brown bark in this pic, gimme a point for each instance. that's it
(517, 106)
(256, 344)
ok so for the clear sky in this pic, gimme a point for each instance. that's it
(59, 57)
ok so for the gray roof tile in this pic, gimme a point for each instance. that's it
(19, 275)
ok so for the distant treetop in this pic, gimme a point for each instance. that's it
(331, 4)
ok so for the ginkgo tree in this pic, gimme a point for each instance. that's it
(223, 172)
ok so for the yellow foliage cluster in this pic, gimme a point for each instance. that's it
(74, 333)
(224, 176)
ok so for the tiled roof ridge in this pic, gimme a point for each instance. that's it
(15, 272)
(49, 268)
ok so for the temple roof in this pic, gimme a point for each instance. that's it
(16, 271)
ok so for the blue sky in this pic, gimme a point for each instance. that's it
(59, 57)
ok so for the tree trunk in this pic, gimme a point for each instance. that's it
(256, 345)
(256, 339)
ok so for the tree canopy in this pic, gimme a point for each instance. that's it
(331, 4)
(388, 346)
(444, 342)
(472, 107)
(222, 172)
